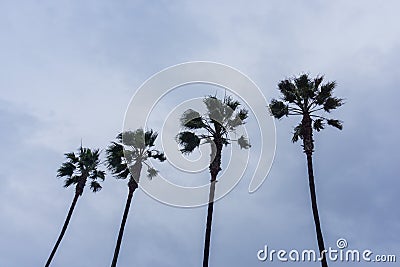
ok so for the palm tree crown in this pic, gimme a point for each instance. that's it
(133, 148)
(306, 97)
(223, 117)
(80, 167)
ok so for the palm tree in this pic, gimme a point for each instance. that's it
(223, 117)
(308, 98)
(125, 158)
(77, 170)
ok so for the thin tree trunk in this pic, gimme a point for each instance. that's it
(215, 168)
(71, 209)
(209, 222)
(132, 185)
(318, 230)
(122, 228)
(308, 146)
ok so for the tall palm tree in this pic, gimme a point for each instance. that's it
(125, 159)
(78, 169)
(223, 116)
(308, 98)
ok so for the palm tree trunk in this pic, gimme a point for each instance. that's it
(215, 168)
(71, 210)
(132, 185)
(122, 227)
(209, 221)
(308, 146)
(318, 230)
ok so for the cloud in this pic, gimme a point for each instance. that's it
(69, 70)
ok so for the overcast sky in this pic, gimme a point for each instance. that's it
(69, 68)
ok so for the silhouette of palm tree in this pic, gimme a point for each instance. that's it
(125, 158)
(223, 116)
(308, 98)
(77, 170)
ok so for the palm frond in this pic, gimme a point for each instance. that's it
(115, 150)
(119, 137)
(243, 114)
(192, 119)
(325, 92)
(335, 123)
(151, 173)
(66, 169)
(116, 162)
(95, 186)
(155, 154)
(332, 103)
(304, 86)
(231, 103)
(229, 106)
(278, 109)
(97, 174)
(238, 119)
(93, 158)
(188, 140)
(287, 88)
(72, 157)
(302, 81)
(318, 125)
(150, 137)
(317, 82)
(215, 108)
(225, 141)
(243, 142)
(123, 174)
(114, 155)
(297, 133)
(71, 180)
